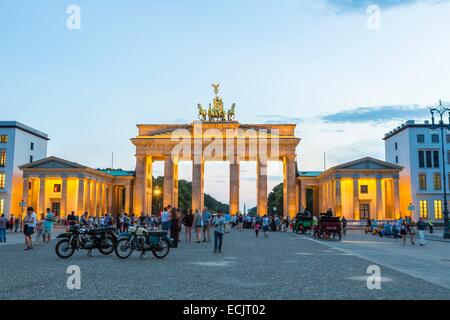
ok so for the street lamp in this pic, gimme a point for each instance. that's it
(440, 110)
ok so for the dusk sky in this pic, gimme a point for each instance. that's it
(312, 62)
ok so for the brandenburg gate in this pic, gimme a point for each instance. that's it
(216, 136)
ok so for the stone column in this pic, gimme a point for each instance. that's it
(379, 200)
(338, 197)
(396, 197)
(100, 199)
(127, 198)
(87, 197)
(64, 195)
(110, 199)
(41, 205)
(289, 189)
(26, 183)
(234, 186)
(261, 186)
(356, 213)
(142, 185)
(81, 195)
(198, 185)
(170, 193)
(94, 198)
(303, 197)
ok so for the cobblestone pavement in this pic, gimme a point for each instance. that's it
(285, 266)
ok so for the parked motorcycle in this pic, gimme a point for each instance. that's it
(79, 237)
(140, 239)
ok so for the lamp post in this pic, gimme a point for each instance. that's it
(440, 110)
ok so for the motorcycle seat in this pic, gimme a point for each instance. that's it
(157, 233)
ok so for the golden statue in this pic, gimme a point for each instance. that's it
(216, 111)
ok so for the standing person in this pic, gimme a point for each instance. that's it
(72, 219)
(206, 225)
(430, 225)
(198, 224)
(344, 225)
(412, 231)
(3, 224)
(421, 226)
(188, 221)
(219, 229)
(165, 219)
(48, 225)
(227, 217)
(257, 226)
(175, 226)
(403, 231)
(240, 222)
(17, 224)
(119, 223)
(40, 228)
(11, 223)
(265, 225)
(84, 221)
(30, 224)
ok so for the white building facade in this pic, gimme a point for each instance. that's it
(418, 149)
(19, 144)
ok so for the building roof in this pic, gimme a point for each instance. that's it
(367, 163)
(23, 127)
(117, 172)
(309, 173)
(403, 126)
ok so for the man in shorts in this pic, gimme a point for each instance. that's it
(48, 225)
(31, 221)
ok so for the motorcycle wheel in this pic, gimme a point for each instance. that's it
(163, 250)
(123, 248)
(63, 249)
(108, 246)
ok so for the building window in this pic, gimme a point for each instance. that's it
(2, 206)
(436, 159)
(435, 138)
(32, 146)
(437, 181)
(420, 138)
(31, 159)
(428, 158)
(3, 138)
(448, 157)
(396, 146)
(424, 209)
(56, 188)
(422, 181)
(2, 159)
(421, 159)
(438, 209)
(364, 189)
(2, 180)
(447, 138)
(396, 159)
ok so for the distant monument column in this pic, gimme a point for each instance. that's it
(261, 185)
(143, 182)
(289, 194)
(198, 172)
(170, 182)
(234, 186)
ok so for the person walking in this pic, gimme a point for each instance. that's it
(344, 225)
(188, 221)
(198, 224)
(219, 229)
(227, 217)
(257, 226)
(240, 219)
(165, 219)
(40, 228)
(265, 225)
(30, 224)
(403, 231)
(421, 226)
(48, 226)
(175, 226)
(17, 224)
(3, 225)
(206, 216)
(430, 225)
(11, 223)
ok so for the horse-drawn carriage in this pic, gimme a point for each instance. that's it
(303, 224)
(328, 227)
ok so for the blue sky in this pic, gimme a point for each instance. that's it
(314, 63)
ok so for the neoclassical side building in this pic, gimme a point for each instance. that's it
(363, 189)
